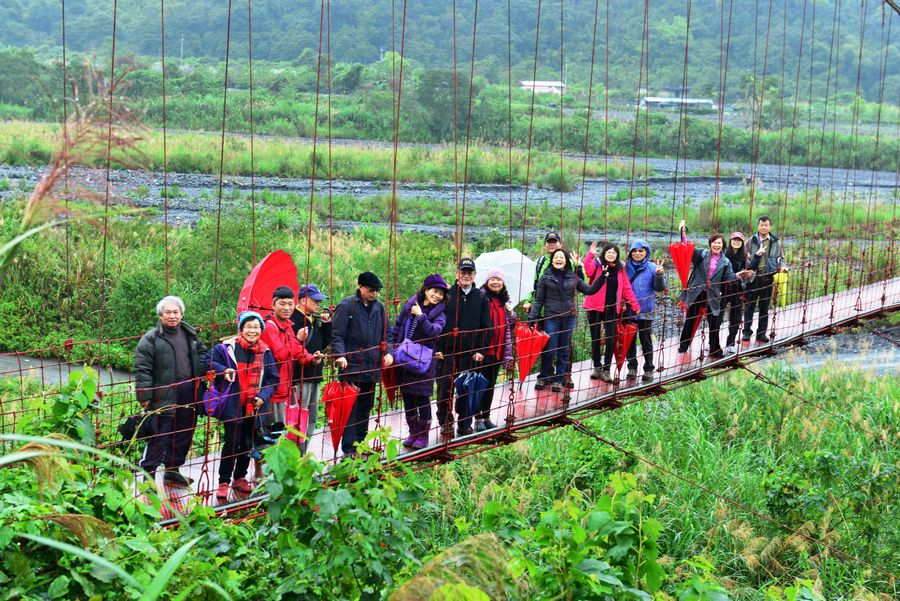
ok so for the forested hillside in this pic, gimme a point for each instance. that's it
(286, 30)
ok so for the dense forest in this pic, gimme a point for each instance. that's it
(826, 32)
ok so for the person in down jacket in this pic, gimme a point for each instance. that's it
(710, 271)
(647, 278)
(422, 320)
(247, 363)
(555, 297)
(615, 290)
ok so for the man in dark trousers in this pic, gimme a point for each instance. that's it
(356, 337)
(462, 345)
(169, 364)
(313, 328)
(766, 259)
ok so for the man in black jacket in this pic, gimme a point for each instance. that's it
(313, 328)
(169, 363)
(461, 345)
(359, 329)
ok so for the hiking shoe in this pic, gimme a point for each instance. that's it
(569, 384)
(222, 491)
(556, 387)
(489, 425)
(605, 375)
(241, 485)
(173, 476)
(730, 349)
(446, 431)
(479, 425)
(540, 384)
(647, 377)
(595, 374)
(632, 373)
(716, 354)
(764, 339)
(464, 430)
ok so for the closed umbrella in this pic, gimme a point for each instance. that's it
(625, 333)
(276, 269)
(390, 382)
(473, 384)
(339, 398)
(682, 254)
(529, 344)
(518, 271)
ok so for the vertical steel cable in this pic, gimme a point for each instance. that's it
(252, 137)
(109, 125)
(162, 18)
(65, 132)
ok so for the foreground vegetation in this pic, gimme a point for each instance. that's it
(557, 516)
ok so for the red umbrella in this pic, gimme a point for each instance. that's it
(529, 343)
(390, 382)
(338, 398)
(276, 269)
(682, 254)
(625, 333)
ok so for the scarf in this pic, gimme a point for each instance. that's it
(498, 332)
(250, 374)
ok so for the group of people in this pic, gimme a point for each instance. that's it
(441, 332)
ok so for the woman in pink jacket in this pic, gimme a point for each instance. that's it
(605, 306)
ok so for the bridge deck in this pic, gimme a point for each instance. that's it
(529, 407)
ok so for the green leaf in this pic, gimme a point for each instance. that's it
(58, 587)
(158, 586)
(100, 562)
(599, 570)
(282, 457)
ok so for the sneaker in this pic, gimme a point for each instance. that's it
(595, 375)
(540, 385)
(745, 338)
(479, 425)
(222, 491)
(730, 349)
(446, 431)
(241, 485)
(173, 476)
(647, 377)
(464, 430)
(716, 354)
(421, 441)
(605, 375)
(489, 425)
(632, 373)
(763, 339)
(556, 387)
(569, 384)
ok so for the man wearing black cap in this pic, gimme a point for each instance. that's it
(313, 328)
(469, 316)
(359, 329)
(552, 241)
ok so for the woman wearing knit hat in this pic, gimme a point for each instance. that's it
(499, 351)
(421, 321)
(247, 364)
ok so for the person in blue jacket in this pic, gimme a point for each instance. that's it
(647, 278)
(247, 364)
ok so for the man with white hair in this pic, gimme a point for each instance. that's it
(169, 365)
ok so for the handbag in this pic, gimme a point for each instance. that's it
(413, 356)
(296, 416)
(214, 400)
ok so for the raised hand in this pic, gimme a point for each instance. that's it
(761, 251)
(415, 310)
(659, 267)
(593, 248)
(682, 225)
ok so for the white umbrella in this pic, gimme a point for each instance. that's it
(518, 271)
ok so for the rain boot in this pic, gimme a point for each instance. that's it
(421, 439)
(414, 431)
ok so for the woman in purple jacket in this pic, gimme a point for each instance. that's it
(498, 353)
(421, 320)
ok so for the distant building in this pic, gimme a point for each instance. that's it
(550, 87)
(668, 102)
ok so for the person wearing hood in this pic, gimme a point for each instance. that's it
(607, 304)
(247, 363)
(647, 278)
(733, 292)
(499, 350)
(555, 297)
(710, 270)
(421, 320)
